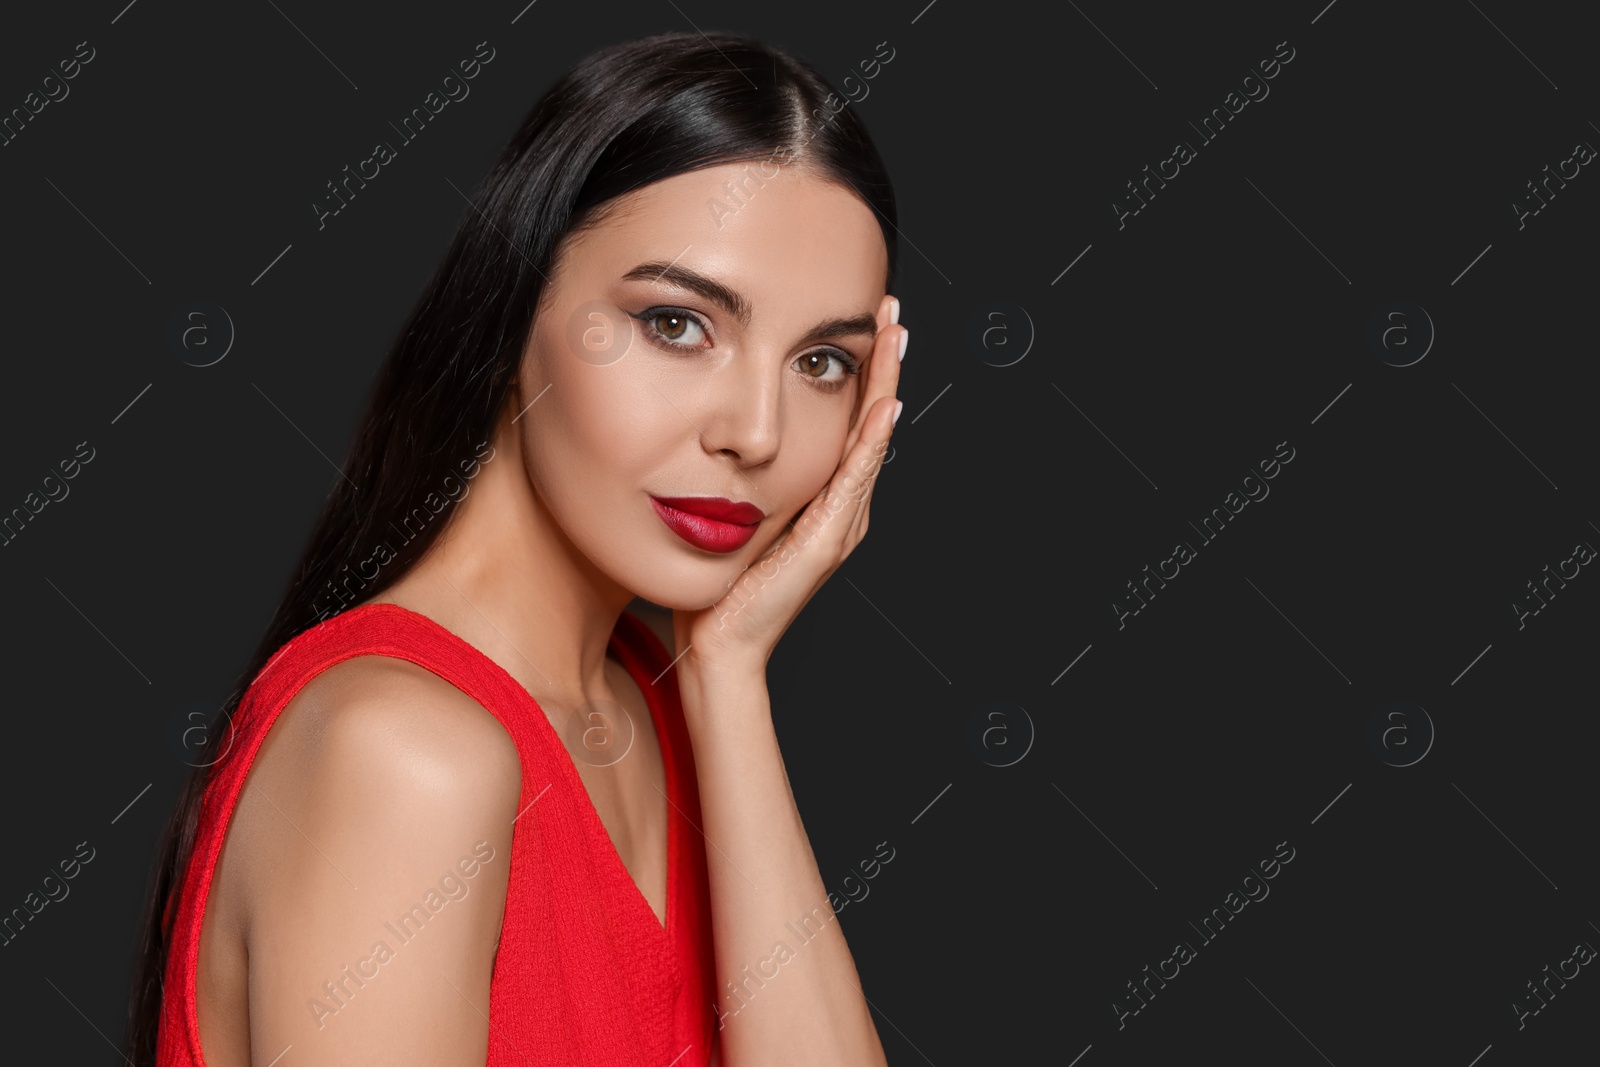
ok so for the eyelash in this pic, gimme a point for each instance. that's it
(648, 316)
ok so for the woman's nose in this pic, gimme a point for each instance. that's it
(742, 409)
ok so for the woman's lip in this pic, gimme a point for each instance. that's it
(712, 535)
(715, 507)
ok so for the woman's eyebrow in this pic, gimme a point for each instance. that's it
(736, 305)
(684, 278)
(856, 324)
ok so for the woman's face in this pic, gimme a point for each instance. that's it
(699, 342)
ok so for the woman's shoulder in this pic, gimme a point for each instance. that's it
(374, 705)
(380, 796)
(369, 745)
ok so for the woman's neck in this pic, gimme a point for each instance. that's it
(504, 577)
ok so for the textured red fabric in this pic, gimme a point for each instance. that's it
(585, 973)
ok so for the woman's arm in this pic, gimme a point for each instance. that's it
(796, 997)
(374, 834)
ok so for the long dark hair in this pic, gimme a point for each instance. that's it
(624, 117)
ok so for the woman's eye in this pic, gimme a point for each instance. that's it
(826, 365)
(674, 328)
(677, 328)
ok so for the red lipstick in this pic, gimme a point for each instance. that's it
(712, 523)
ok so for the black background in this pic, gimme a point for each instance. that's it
(1232, 313)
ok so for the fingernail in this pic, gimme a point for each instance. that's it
(894, 310)
(905, 339)
(898, 404)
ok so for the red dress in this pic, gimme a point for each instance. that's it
(585, 973)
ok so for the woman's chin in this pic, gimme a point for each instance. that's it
(684, 597)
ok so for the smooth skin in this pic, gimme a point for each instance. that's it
(379, 777)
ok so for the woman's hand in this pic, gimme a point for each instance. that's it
(765, 871)
(741, 629)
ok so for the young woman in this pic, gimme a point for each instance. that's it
(469, 808)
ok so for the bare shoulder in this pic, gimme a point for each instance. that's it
(381, 790)
(377, 718)
(367, 745)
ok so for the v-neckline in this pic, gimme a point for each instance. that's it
(630, 660)
(626, 656)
